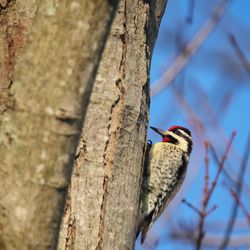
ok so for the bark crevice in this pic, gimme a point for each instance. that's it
(105, 193)
(113, 131)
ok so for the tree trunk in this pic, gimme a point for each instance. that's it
(103, 198)
(49, 52)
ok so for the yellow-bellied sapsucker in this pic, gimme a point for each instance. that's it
(165, 168)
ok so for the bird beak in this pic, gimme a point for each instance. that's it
(159, 131)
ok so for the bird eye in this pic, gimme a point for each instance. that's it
(177, 132)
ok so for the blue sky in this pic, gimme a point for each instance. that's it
(217, 71)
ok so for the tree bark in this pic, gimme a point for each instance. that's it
(49, 52)
(103, 198)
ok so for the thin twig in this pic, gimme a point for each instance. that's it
(206, 186)
(190, 16)
(238, 190)
(203, 214)
(191, 48)
(209, 211)
(239, 52)
(221, 165)
(216, 158)
(190, 205)
(240, 204)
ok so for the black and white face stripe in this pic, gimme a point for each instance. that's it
(181, 130)
(184, 138)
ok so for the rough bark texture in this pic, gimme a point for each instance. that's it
(103, 198)
(49, 52)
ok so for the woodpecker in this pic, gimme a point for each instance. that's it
(164, 171)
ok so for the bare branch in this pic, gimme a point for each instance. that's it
(239, 185)
(216, 158)
(191, 48)
(207, 192)
(190, 205)
(221, 165)
(209, 211)
(206, 186)
(240, 204)
(239, 52)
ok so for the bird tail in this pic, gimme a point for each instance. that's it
(144, 232)
(140, 223)
(143, 227)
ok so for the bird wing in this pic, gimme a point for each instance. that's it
(164, 196)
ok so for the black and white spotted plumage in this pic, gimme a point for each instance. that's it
(165, 169)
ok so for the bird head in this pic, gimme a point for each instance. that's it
(177, 135)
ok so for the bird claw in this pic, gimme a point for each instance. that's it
(149, 142)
